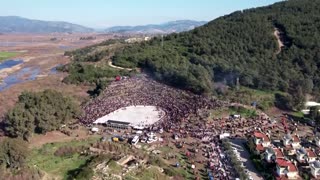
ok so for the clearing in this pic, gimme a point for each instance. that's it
(58, 166)
(57, 136)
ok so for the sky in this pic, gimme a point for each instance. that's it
(106, 13)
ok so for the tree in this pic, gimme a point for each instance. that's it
(314, 113)
(196, 59)
(13, 153)
(298, 98)
(39, 113)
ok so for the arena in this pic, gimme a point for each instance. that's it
(135, 115)
(136, 91)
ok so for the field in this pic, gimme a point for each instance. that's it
(264, 99)
(7, 55)
(55, 166)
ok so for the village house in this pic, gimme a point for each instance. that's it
(286, 169)
(272, 154)
(291, 143)
(317, 139)
(315, 169)
(304, 155)
(261, 141)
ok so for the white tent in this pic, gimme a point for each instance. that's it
(95, 129)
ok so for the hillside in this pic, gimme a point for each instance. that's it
(240, 45)
(14, 24)
(165, 28)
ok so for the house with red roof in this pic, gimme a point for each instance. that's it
(291, 143)
(272, 154)
(261, 141)
(304, 155)
(286, 169)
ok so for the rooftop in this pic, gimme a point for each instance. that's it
(294, 138)
(262, 136)
(259, 147)
(311, 153)
(288, 164)
(276, 151)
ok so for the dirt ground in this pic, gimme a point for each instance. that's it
(280, 43)
(57, 136)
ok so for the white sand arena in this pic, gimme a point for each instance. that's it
(135, 115)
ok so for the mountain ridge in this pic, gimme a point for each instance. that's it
(164, 28)
(17, 24)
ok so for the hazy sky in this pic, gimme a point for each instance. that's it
(104, 13)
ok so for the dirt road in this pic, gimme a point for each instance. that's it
(280, 43)
(118, 67)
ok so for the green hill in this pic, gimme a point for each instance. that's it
(240, 45)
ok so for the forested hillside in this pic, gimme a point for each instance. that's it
(240, 45)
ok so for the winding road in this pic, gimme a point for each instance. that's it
(117, 67)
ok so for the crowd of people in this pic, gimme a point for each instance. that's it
(218, 162)
(177, 104)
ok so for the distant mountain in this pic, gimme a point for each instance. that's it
(169, 27)
(15, 24)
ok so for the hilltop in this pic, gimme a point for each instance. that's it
(15, 24)
(241, 46)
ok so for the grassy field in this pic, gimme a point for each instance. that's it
(56, 166)
(264, 99)
(7, 55)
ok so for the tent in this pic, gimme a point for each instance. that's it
(94, 129)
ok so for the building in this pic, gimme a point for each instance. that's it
(315, 169)
(261, 141)
(286, 169)
(291, 143)
(95, 129)
(135, 140)
(305, 155)
(137, 39)
(117, 124)
(272, 154)
(308, 105)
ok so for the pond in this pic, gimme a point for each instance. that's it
(23, 75)
(10, 63)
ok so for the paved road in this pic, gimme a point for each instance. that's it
(245, 157)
